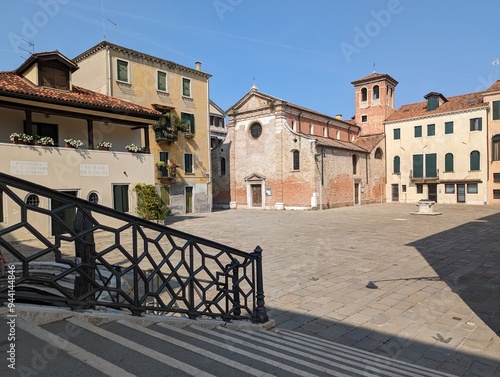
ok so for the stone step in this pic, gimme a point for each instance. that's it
(118, 345)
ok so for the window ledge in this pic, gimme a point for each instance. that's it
(128, 83)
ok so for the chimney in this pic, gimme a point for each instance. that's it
(198, 66)
(338, 116)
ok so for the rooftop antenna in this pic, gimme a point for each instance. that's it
(374, 67)
(114, 26)
(103, 23)
(28, 51)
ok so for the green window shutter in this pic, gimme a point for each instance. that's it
(397, 166)
(188, 163)
(496, 110)
(162, 81)
(397, 134)
(471, 122)
(165, 195)
(164, 156)
(480, 124)
(431, 130)
(448, 128)
(448, 162)
(120, 198)
(122, 70)
(430, 165)
(192, 123)
(418, 166)
(474, 160)
(418, 131)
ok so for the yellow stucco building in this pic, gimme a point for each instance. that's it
(181, 150)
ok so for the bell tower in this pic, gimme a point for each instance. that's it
(374, 99)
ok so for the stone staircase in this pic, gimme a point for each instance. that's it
(59, 342)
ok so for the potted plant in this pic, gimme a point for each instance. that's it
(172, 169)
(104, 145)
(73, 143)
(133, 148)
(21, 138)
(162, 168)
(45, 141)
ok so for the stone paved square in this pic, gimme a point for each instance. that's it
(425, 289)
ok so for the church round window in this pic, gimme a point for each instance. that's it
(255, 130)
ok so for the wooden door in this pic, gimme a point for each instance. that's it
(256, 195)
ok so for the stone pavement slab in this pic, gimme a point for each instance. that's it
(424, 289)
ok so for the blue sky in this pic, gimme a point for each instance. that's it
(306, 52)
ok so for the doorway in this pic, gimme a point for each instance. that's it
(189, 200)
(67, 216)
(395, 192)
(460, 193)
(256, 195)
(356, 193)
(432, 192)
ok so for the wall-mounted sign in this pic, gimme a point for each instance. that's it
(94, 170)
(29, 167)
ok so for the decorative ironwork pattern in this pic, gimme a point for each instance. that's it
(102, 257)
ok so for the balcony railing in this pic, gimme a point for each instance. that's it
(433, 175)
(107, 258)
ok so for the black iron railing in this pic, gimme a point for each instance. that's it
(104, 258)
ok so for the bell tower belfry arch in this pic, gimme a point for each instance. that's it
(374, 98)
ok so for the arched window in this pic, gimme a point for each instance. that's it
(354, 164)
(296, 160)
(378, 153)
(33, 200)
(93, 197)
(474, 161)
(396, 168)
(496, 148)
(222, 166)
(448, 162)
(364, 94)
(376, 92)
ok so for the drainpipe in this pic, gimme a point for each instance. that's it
(299, 121)
(108, 63)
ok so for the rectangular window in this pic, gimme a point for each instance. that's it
(420, 188)
(161, 81)
(496, 194)
(418, 166)
(397, 133)
(188, 162)
(189, 119)
(449, 188)
(431, 129)
(186, 87)
(496, 110)
(122, 70)
(448, 128)
(476, 124)
(472, 188)
(1, 207)
(120, 198)
(53, 77)
(418, 131)
(496, 177)
(364, 118)
(403, 188)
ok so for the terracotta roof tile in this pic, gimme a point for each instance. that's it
(335, 143)
(12, 85)
(493, 88)
(369, 142)
(456, 103)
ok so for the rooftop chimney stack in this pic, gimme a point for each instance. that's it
(198, 66)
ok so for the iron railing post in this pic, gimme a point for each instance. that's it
(236, 288)
(260, 315)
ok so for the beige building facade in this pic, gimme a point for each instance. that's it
(438, 150)
(42, 112)
(181, 154)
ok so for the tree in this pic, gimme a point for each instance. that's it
(149, 204)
